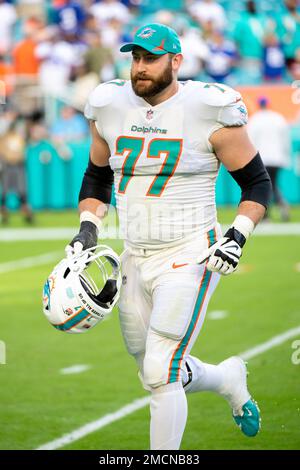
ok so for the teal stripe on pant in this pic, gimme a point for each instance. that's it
(212, 237)
(178, 355)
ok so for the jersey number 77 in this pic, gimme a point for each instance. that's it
(132, 147)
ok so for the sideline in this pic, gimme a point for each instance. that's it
(30, 262)
(65, 233)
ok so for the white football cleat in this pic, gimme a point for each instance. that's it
(234, 389)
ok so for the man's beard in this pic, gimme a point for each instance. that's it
(154, 85)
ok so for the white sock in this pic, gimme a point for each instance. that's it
(204, 376)
(168, 409)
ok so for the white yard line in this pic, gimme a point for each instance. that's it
(269, 228)
(76, 369)
(44, 234)
(95, 425)
(66, 233)
(31, 261)
(142, 402)
(23, 234)
(217, 315)
(272, 343)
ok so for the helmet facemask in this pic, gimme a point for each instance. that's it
(102, 289)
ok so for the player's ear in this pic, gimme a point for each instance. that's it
(177, 61)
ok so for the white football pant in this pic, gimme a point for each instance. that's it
(162, 307)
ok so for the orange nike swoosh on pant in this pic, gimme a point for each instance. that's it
(174, 266)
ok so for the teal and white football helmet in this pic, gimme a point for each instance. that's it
(82, 289)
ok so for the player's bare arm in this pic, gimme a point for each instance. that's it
(234, 149)
(94, 195)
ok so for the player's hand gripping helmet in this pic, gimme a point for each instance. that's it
(82, 289)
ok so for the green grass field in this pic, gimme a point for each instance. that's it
(38, 404)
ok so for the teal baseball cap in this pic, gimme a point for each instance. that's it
(156, 38)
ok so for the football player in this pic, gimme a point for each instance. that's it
(161, 143)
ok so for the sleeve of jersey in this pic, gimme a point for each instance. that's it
(98, 99)
(233, 113)
(89, 111)
(225, 108)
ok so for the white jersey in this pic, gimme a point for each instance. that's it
(164, 166)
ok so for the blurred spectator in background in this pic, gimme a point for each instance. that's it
(204, 11)
(26, 67)
(221, 59)
(84, 83)
(8, 17)
(288, 29)
(273, 58)
(248, 33)
(76, 41)
(295, 67)
(269, 131)
(29, 8)
(108, 10)
(98, 57)
(195, 51)
(58, 57)
(90, 23)
(69, 127)
(37, 132)
(112, 35)
(54, 53)
(12, 156)
(7, 77)
(7, 117)
(69, 16)
(166, 17)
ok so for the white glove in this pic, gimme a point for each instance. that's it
(224, 255)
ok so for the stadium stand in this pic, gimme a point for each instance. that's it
(54, 52)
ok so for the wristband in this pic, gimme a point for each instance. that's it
(87, 216)
(243, 224)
